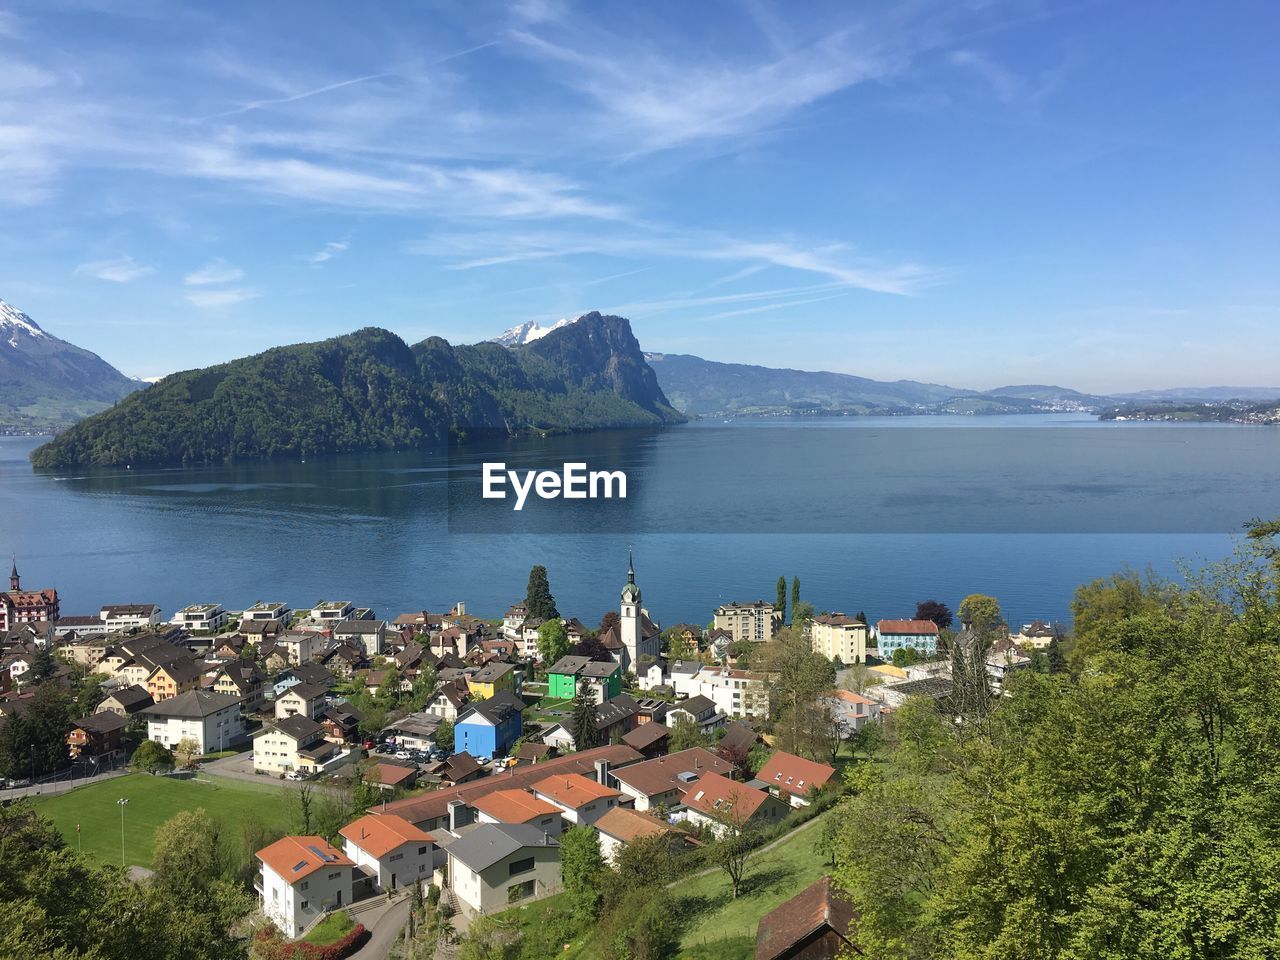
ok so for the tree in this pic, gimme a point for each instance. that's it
(185, 855)
(590, 647)
(644, 926)
(581, 865)
(585, 734)
(185, 752)
(43, 666)
(443, 736)
(936, 611)
(684, 735)
(151, 757)
(797, 674)
(795, 596)
(899, 658)
(981, 612)
(780, 605)
(33, 743)
(553, 641)
(732, 848)
(539, 603)
(1055, 662)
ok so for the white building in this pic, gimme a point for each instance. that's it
(581, 800)
(367, 635)
(302, 879)
(391, 848)
(129, 616)
(201, 618)
(300, 646)
(497, 865)
(297, 743)
(333, 612)
(756, 621)
(838, 637)
(267, 610)
(212, 720)
(303, 699)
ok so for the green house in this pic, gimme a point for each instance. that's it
(564, 677)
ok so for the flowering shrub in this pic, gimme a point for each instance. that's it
(269, 945)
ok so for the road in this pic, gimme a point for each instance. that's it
(384, 926)
(58, 786)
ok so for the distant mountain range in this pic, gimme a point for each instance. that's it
(46, 383)
(527, 332)
(368, 390)
(707, 388)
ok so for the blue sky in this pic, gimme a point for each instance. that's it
(972, 193)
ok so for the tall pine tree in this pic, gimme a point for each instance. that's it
(781, 605)
(585, 734)
(795, 594)
(538, 600)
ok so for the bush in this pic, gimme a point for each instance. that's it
(268, 944)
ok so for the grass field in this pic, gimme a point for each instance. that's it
(331, 928)
(153, 800)
(772, 878)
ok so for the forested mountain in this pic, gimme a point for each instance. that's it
(48, 383)
(368, 390)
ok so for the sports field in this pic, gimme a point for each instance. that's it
(152, 801)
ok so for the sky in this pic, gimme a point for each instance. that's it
(972, 193)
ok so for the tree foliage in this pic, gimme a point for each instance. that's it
(581, 865)
(539, 602)
(936, 611)
(151, 757)
(553, 641)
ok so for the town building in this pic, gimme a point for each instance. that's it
(488, 728)
(305, 699)
(720, 804)
(581, 800)
(602, 679)
(97, 736)
(168, 680)
(390, 849)
(756, 622)
(497, 865)
(201, 618)
(264, 611)
(212, 720)
(302, 879)
(296, 743)
(368, 635)
(818, 923)
(701, 711)
(119, 617)
(493, 679)
(793, 779)
(853, 711)
(243, 680)
(920, 635)
(838, 637)
(518, 806)
(26, 606)
(620, 826)
(125, 701)
(663, 782)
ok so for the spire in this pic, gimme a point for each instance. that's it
(14, 581)
(631, 568)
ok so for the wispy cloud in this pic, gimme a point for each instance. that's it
(278, 101)
(213, 272)
(120, 270)
(328, 252)
(206, 299)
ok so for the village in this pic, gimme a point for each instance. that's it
(479, 747)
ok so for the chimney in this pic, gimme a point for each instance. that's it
(455, 815)
(602, 772)
(697, 763)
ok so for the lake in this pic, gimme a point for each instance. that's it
(872, 514)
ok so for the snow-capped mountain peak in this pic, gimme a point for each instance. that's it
(13, 323)
(528, 332)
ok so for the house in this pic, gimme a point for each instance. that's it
(493, 679)
(794, 779)
(392, 776)
(459, 768)
(170, 679)
(302, 879)
(344, 660)
(700, 711)
(601, 679)
(450, 699)
(718, 642)
(243, 680)
(739, 737)
(488, 728)
(838, 637)
(853, 711)
(529, 753)
(27, 606)
(1003, 658)
(125, 701)
(662, 782)
(341, 722)
(212, 720)
(417, 731)
(306, 699)
(736, 693)
(201, 618)
(295, 743)
(1036, 635)
(719, 804)
(97, 735)
(756, 622)
(500, 864)
(367, 635)
(648, 738)
(299, 646)
(513, 621)
(818, 923)
(265, 611)
(330, 613)
(613, 719)
(620, 826)
(919, 635)
(118, 617)
(311, 673)
(582, 801)
(390, 849)
(260, 631)
(518, 806)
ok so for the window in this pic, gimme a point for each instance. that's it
(303, 905)
(520, 891)
(397, 856)
(304, 884)
(520, 866)
(422, 851)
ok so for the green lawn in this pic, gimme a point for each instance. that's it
(772, 878)
(152, 800)
(331, 928)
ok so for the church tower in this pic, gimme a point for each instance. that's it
(15, 582)
(629, 627)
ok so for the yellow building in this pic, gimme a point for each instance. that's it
(838, 637)
(493, 679)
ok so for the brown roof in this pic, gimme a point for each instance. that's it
(812, 910)
(573, 789)
(794, 774)
(914, 627)
(513, 806)
(392, 774)
(297, 857)
(664, 773)
(378, 836)
(646, 735)
(435, 805)
(625, 824)
(721, 798)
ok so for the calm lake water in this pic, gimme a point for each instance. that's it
(872, 514)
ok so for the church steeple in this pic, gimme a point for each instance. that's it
(15, 582)
(631, 568)
(631, 592)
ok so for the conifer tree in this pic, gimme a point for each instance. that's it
(538, 600)
(781, 605)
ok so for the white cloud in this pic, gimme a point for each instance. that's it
(220, 298)
(120, 270)
(329, 251)
(215, 271)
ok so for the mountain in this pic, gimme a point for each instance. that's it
(47, 383)
(368, 390)
(527, 332)
(1203, 394)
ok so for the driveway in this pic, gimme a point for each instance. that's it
(385, 925)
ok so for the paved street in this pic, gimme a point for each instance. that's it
(385, 925)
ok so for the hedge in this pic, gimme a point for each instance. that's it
(268, 945)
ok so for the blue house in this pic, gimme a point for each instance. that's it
(489, 727)
(920, 635)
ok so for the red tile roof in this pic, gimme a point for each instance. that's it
(809, 912)
(573, 790)
(625, 824)
(294, 858)
(793, 774)
(725, 799)
(513, 806)
(663, 774)
(915, 627)
(378, 836)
